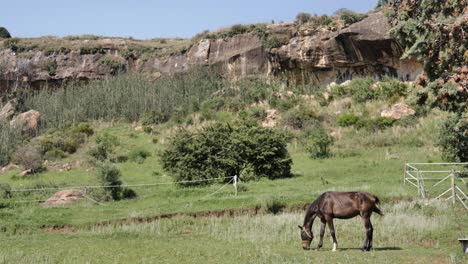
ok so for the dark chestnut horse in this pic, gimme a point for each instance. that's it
(341, 205)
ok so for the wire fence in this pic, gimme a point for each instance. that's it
(232, 180)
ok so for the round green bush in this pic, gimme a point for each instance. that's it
(225, 150)
(347, 120)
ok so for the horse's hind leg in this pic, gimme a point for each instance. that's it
(332, 232)
(322, 233)
(369, 232)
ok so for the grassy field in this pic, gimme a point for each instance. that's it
(410, 232)
(86, 232)
(357, 165)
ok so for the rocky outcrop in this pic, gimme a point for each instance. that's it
(27, 122)
(364, 48)
(64, 197)
(398, 111)
(313, 55)
(8, 111)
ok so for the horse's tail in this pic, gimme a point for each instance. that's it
(376, 208)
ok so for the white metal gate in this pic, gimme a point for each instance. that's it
(438, 180)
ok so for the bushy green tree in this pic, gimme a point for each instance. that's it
(453, 138)
(303, 18)
(4, 33)
(317, 142)
(223, 150)
(109, 175)
(349, 17)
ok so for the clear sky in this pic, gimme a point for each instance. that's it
(146, 19)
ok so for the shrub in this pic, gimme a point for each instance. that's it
(105, 146)
(109, 175)
(55, 154)
(66, 140)
(91, 49)
(4, 33)
(128, 194)
(347, 120)
(50, 67)
(254, 91)
(453, 138)
(11, 43)
(349, 17)
(298, 118)
(253, 113)
(116, 64)
(392, 87)
(317, 142)
(148, 129)
(274, 41)
(273, 205)
(139, 155)
(303, 18)
(5, 191)
(375, 124)
(84, 128)
(232, 31)
(9, 139)
(154, 117)
(223, 150)
(28, 157)
(361, 89)
(322, 20)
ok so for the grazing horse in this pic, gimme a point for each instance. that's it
(341, 205)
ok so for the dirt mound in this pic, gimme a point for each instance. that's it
(64, 197)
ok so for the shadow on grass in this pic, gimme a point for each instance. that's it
(373, 249)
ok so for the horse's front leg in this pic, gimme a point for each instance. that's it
(322, 233)
(332, 232)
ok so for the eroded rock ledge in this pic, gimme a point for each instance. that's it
(316, 56)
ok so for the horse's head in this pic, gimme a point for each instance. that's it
(306, 236)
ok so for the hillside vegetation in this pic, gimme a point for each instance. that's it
(154, 160)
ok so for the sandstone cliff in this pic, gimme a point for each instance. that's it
(311, 55)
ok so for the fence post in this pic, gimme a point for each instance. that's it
(235, 183)
(452, 186)
(419, 183)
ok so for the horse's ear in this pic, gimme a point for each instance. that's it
(300, 227)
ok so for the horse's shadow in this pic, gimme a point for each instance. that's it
(375, 249)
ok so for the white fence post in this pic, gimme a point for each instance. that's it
(235, 183)
(454, 194)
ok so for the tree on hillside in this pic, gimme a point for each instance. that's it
(4, 33)
(224, 150)
(303, 18)
(434, 32)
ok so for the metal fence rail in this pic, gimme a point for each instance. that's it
(447, 180)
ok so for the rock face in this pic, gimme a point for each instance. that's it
(398, 111)
(317, 56)
(64, 197)
(364, 48)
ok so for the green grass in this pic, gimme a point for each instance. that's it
(410, 232)
(357, 165)
(362, 160)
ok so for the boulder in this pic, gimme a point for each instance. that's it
(27, 121)
(64, 197)
(8, 111)
(397, 111)
(25, 173)
(271, 118)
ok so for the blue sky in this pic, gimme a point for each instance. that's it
(145, 19)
